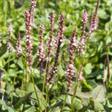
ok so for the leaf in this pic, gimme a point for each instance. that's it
(108, 26)
(5, 107)
(68, 99)
(98, 107)
(99, 93)
(61, 71)
(66, 109)
(77, 104)
(108, 40)
(4, 48)
(85, 85)
(21, 100)
(10, 109)
(30, 109)
(41, 100)
(88, 68)
(57, 109)
(109, 104)
(102, 14)
(21, 63)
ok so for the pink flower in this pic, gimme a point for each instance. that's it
(70, 67)
(18, 46)
(28, 39)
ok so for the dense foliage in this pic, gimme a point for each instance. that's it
(25, 86)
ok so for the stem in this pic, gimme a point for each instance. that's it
(45, 86)
(32, 78)
(74, 94)
(108, 67)
(64, 101)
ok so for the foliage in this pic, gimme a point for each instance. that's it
(21, 91)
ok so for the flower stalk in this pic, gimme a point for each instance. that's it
(28, 39)
(93, 21)
(59, 41)
(83, 33)
(32, 8)
(18, 46)
(49, 45)
(70, 67)
(40, 49)
(9, 44)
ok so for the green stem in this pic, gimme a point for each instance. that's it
(74, 94)
(64, 101)
(35, 91)
(45, 86)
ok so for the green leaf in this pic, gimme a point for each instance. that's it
(99, 93)
(57, 109)
(41, 100)
(98, 107)
(88, 68)
(66, 109)
(102, 14)
(86, 85)
(77, 104)
(31, 109)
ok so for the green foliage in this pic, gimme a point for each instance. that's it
(92, 94)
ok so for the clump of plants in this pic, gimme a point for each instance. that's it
(50, 75)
